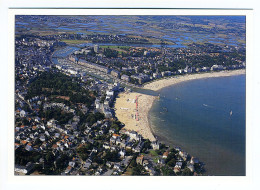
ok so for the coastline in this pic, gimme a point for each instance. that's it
(132, 110)
(126, 109)
(159, 84)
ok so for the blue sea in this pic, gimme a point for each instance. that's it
(206, 118)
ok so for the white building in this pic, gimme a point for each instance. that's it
(23, 113)
(125, 78)
(155, 145)
(96, 47)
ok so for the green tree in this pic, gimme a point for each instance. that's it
(187, 172)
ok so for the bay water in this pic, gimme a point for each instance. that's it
(206, 118)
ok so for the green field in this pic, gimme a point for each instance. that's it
(75, 41)
(153, 153)
(120, 49)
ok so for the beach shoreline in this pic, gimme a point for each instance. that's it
(132, 110)
(165, 82)
(125, 106)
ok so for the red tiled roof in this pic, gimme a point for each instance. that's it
(166, 153)
(54, 146)
(23, 142)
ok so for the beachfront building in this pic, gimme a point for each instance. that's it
(194, 160)
(184, 155)
(155, 145)
(191, 167)
(216, 67)
(141, 78)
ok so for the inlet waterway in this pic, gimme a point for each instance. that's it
(206, 118)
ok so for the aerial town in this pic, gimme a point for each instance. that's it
(65, 122)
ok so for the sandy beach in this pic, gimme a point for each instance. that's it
(159, 84)
(132, 110)
(135, 115)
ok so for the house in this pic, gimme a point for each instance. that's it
(23, 113)
(24, 169)
(112, 130)
(152, 172)
(139, 159)
(115, 173)
(109, 164)
(123, 144)
(139, 147)
(129, 145)
(133, 135)
(191, 167)
(125, 78)
(165, 154)
(108, 114)
(122, 153)
(155, 145)
(47, 133)
(110, 93)
(115, 136)
(180, 71)
(145, 163)
(101, 132)
(205, 69)
(184, 155)
(112, 140)
(28, 147)
(43, 127)
(17, 145)
(216, 67)
(87, 164)
(177, 167)
(187, 70)
(94, 149)
(118, 141)
(31, 136)
(115, 73)
(72, 164)
(106, 146)
(118, 167)
(91, 155)
(59, 143)
(113, 148)
(161, 161)
(68, 169)
(194, 160)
